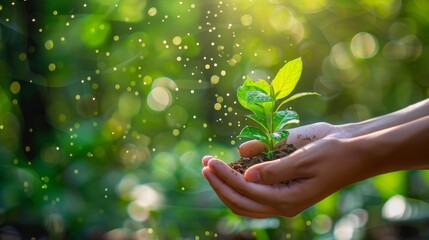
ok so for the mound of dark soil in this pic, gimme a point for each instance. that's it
(242, 164)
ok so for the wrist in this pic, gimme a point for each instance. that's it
(397, 148)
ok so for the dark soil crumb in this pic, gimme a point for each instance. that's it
(242, 164)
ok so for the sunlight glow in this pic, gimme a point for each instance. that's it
(395, 208)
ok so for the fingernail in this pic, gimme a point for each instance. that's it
(252, 176)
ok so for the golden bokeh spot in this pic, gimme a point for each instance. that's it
(177, 40)
(49, 44)
(152, 11)
(214, 79)
(217, 106)
(52, 67)
(176, 132)
(15, 87)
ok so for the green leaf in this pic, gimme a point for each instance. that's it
(254, 133)
(286, 79)
(257, 96)
(262, 84)
(296, 96)
(282, 119)
(279, 136)
(259, 119)
(242, 99)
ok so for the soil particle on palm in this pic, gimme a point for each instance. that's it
(242, 164)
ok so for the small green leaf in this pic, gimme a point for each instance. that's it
(262, 84)
(254, 133)
(279, 136)
(259, 119)
(242, 99)
(286, 79)
(296, 96)
(284, 118)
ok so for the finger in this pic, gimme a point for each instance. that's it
(285, 199)
(238, 203)
(251, 148)
(205, 160)
(277, 171)
(261, 193)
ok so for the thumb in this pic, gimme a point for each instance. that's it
(251, 148)
(270, 172)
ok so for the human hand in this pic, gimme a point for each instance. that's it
(328, 158)
(298, 137)
(288, 185)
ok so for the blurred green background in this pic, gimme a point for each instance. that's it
(107, 106)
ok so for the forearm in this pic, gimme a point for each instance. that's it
(402, 147)
(410, 113)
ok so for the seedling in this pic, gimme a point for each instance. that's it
(266, 100)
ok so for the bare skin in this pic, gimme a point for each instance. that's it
(329, 158)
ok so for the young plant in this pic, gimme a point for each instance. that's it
(265, 101)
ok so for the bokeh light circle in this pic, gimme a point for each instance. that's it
(364, 45)
(281, 19)
(159, 99)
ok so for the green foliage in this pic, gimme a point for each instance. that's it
(106, 110)
(262, 99)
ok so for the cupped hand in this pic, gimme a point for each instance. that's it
(288, 185)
